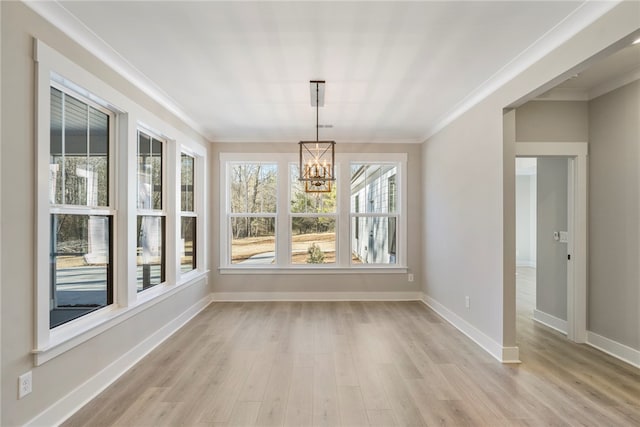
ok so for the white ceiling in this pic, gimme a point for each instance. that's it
(240, 71)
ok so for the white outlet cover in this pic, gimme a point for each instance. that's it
(24, 384)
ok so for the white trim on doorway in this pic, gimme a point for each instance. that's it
(577, 153)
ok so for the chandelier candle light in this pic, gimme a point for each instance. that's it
(317, 158)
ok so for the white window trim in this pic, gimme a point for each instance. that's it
(199, 180)
(163, 211)
(343, 216)
(49, 343)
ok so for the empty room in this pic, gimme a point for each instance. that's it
(339, 213)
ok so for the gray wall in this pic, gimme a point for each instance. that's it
(59, 376)
(614, 232)
(552, 121)
(551, 269)
(374, 282)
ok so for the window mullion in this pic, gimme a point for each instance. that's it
(283, 225)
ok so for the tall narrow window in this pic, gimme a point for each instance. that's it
(252, 208)
(188, 216)
(150, 230)
(81, 216)
(313, 219)
(373, 232)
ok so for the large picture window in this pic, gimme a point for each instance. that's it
(269, 220)
(81, 255)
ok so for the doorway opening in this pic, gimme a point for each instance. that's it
(551, 233)
(542, 239)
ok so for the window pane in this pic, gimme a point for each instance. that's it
(303, 202)
(313, 240)
(81, 268)
(150, 258)
(76, 171)
(98, 162)
(253, 240)
(371, 183)
(186, 184)
(187, 244)
(56, 164)
(373, 240)
(253, 188)
(149, 172)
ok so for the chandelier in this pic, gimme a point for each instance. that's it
(317, 158)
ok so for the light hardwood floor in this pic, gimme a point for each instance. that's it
(362, 363)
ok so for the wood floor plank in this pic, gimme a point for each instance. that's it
(351, 406)
(325, 392)
(300, 401)
(274, 402)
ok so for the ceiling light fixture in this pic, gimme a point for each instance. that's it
(317, 158)
(636, 41)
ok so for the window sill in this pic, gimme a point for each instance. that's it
(314, 270)
(76, 332)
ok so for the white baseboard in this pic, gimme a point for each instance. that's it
(316, 296)
(550, 321)
(502, 354)
(614, 348)
(57, 413)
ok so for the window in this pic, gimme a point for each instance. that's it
(268, 221)
(376, 184)
(313, 223)
(150, 229)
(188, 216)
(81, 216)
(252, 212)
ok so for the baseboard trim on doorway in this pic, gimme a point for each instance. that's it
(550, 321)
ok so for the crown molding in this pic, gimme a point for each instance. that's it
(65, 21)
(580, 18)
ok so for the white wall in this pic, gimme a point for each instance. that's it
(469, 191)
(56, 378)
(526, 220)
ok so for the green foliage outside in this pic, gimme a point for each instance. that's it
(315, 254)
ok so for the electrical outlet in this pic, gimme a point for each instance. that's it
(410, 277)
(467, 302)
(24, 384)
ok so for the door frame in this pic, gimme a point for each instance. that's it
(577, 153)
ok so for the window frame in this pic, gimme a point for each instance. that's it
(228, 214)
(357, 215)
(162, 212)
(335, 215)
(343, 263)
(191, 214)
